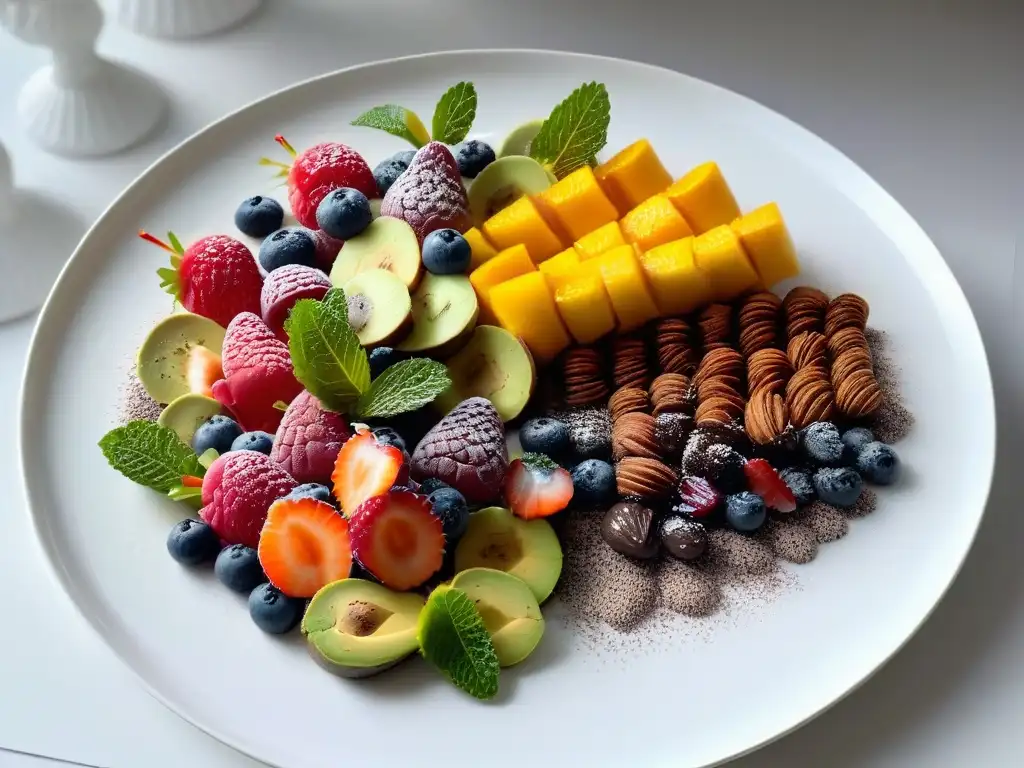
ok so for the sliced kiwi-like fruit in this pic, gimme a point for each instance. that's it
(388, 243)
(184, 414)
(519, 140)
(503, 182)
(444, 311)
(493, 364)
(179, 352)
(379, 308)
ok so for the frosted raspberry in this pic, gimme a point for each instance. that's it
(429, 195)
(238, 489)
(308, 440)
(285, 286)
(321, 169)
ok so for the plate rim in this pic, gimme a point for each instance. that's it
(909, 226)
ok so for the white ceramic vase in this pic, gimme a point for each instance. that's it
(81, 104)
(182, 18)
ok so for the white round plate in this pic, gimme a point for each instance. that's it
(678, 701)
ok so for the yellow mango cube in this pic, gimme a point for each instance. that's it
(676, 283)
(624, 281)
(558, 269)
(481, 247)
(525, 308)
(633, 175)
(704, 198)
(585, 308)
(522, 223)
(577, 203)
(764, 236)
(654, 222)
(601, 240)
(510, 263)
(719, 255)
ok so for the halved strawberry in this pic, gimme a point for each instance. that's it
(304, 546)
(365, 468)
(769, 485)
(202, 369)
(535, 486)
(397, 538)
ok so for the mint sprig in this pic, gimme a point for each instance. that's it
(396, 120)
(405, 386)
(455, 113)
(575, 132)
(150, 455)
(454, 639)
(330, 362)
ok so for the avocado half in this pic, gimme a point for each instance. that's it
(179, 355)
(357, 628)
(509, 609)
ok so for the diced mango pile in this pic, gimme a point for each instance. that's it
(616, 246)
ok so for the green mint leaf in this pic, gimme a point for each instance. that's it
(575, 132)
(326, 353)
(454, 639)
(150, 455)
(405, 386)
(455, 113)
(396, 120)
(538, 461)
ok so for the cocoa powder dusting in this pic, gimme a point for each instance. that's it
(136, 404)
(893, 421)
(794, 542)
(685, 590)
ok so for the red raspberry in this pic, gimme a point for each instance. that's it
(429, 195)
(309, 439)
(285, 286)
(238, 489)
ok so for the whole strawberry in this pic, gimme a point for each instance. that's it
(308, 440)
(466, 450)
(429, 195)
(321, 169)
(215, 277)
(238, 489)
(285, 286)
(257, 374)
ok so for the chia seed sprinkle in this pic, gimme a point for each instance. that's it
(894, 420)
(866, 504)
(827, 522)
(684, 589)
(136, 404)
(795, 542)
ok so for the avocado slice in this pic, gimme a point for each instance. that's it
(527, 549)
(184, 414)
(388, 243)
(494, 364)
(503, 182)
(519, 140)
(357, 628)
(180, 355)
(444, 312)
(379, 308)
(509, 609)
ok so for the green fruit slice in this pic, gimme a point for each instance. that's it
(170, 351)
(527, 549)
(357, 628)
(519, 140)
(444, 311)
(509, 609)
(379, 308)
(503, 182)
(493, 364)
(184, 414)
(389, 244)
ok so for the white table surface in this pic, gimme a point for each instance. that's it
(931, 104)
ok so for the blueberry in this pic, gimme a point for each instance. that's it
(313, 491)
(387, 171)
(450, 505)
(822, 444)
(800, 484)
(545, 435)
(473, 156)
(253, 441)
(192, 542)
(344, 213)
(238, 568)
(388, 436)
(838, 486)
(291, 245)
(431, 484)
(259, 216)
(219, 433)
(853, 440)
(446, 252)
(878, 463)
(745, 511)
(273, 611)
(381, 359)
(593, 482)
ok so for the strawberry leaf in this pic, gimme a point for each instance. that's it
(405, 386)
(150, 455)
(396, 120)
(575, 132)
(326, 353)
(455, 113)
(538, 461)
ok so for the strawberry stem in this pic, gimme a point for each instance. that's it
(191, 481)
(284, 143)
(155, 241)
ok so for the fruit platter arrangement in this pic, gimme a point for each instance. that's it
(369, 397)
